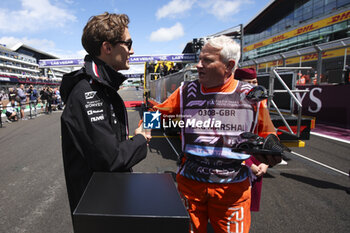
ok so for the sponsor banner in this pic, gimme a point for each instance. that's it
(314, 57)
(5, 79)
(328, 103)
(302, 30)
(8, 79)
(61, 62)
(189, 57)
(270, 64)
(251, 66)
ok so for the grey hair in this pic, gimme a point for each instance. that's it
(230, 49)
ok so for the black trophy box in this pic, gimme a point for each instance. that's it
(130, 202)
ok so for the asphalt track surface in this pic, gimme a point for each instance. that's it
(303, 196)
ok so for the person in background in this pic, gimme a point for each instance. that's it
(22, 100)
(43, 99)
(94, 123)
(12, 93)
(11, 111)
(249, 75)
(2, 96)
(46, 96)
(302, 80)
(49, 99)
(212, 179)
(57, 98)
(33, 100)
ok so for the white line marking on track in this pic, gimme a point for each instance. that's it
(319, 163)
(330, 137)
(177, 154)
(283, 162)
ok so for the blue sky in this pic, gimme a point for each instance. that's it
(157, 27)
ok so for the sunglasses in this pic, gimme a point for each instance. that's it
(128, 43)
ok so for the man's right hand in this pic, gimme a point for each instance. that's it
(145, 132)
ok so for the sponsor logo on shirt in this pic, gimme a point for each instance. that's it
(90, 112)
(97, 118)
(207, 139)
(92, 104)
(90, 94)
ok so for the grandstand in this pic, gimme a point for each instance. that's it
(312, 33)
(19, 65)
(306, 33)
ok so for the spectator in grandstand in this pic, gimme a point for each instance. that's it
(95, 134)
(212, 180)
(259, 169)
(33, 100)
(22, 100)
(11, 111)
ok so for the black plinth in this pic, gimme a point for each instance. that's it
(124, 202)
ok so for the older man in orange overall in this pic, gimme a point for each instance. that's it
(212, 180)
